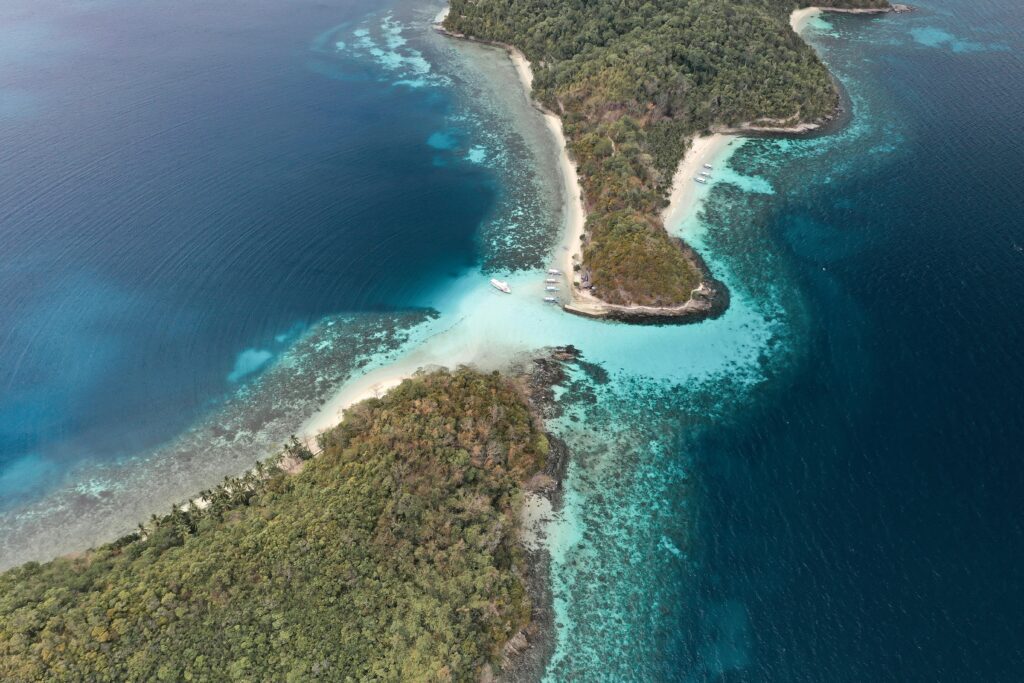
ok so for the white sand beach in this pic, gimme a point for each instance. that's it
(705, 149)
(371, 385)
(702, 150)
(799, 18)
(575, 215)
(684, 194)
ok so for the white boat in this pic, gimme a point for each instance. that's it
(551, 289)
(708, 166)
(705, 174)
(554, 271)
(701, 181)
(551, 280)
(551, 299)
(503, 286)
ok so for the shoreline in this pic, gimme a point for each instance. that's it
(711, 297)
(704, 149)
(575, 213)
(527, 652)
(331, 413)
(246, 502)
(799, 18)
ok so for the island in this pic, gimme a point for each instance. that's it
(633, 83)
(391, 555)
(396, 551)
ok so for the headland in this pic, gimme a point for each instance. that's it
(617, 143)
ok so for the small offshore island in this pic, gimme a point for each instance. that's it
(633, 85)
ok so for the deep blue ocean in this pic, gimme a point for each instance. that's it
(208, 208)
(183, 191)
(864, 516)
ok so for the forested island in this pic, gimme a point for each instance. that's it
(392, 555)
(633, 81)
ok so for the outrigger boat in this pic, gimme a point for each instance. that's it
(551, 289)
(551, 280)
(502, 286)
(702, 181)
(554, 271)
(708, 166)
(551, 300)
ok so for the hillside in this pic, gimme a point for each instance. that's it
(634, 81)
(388, 557)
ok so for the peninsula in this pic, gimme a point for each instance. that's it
(633, 84)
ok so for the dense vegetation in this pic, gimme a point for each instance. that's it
(634, 80)
(388, 557)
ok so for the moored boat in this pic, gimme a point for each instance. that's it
(551, 289)
(500, 285)
(701, 181)
(554, 271)
(551, 300)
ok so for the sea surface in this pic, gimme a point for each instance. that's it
(212, 221)
(190, 199)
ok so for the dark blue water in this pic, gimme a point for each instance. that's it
(863, 520)
(183, 190)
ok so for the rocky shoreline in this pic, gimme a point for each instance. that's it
(708, 301)
(526, 655)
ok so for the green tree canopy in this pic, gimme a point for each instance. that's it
(388, 557)
(634, 81)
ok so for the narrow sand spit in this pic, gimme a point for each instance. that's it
(575, 215)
